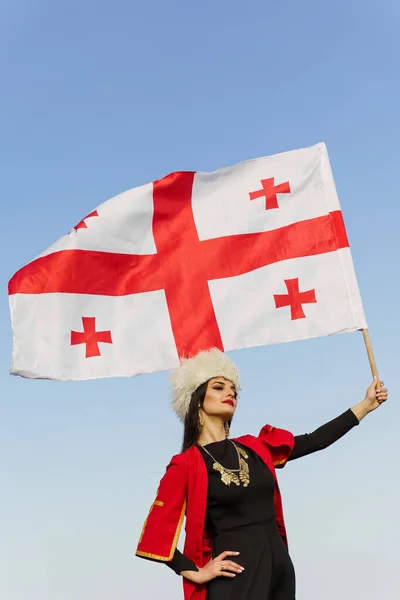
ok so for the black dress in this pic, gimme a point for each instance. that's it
(243, 520)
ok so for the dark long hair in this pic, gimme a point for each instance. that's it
(191, 426)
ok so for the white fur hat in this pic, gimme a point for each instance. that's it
(196, 370)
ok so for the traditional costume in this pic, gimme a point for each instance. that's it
(228, 508)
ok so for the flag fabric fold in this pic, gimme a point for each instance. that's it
(248, 255)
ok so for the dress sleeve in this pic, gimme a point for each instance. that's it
(180, 563)
(324, 436)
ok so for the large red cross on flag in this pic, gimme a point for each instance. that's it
(187, 262)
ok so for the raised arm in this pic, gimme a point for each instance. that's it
(331, 432)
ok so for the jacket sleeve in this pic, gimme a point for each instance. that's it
(324, 436)
(279, 443)
(163, 525)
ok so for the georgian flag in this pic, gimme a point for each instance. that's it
(248, 255)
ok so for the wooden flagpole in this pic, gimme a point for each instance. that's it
(370, 353)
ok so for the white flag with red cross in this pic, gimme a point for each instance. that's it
(248, 255)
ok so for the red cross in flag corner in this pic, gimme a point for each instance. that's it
(82, 224)
(269, 192)
(295, 299)
(90, 337)
(172, 200)
(171, 276)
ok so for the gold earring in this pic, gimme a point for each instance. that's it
(226, 427)
(201, 421)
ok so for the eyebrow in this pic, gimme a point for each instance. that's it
(223, 383)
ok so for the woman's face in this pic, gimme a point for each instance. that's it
(220, 399)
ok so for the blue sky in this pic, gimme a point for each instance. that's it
(98, 97)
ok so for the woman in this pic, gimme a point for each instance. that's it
(235, 546)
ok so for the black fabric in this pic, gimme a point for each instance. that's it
(234, 506)
(324, 436)
(268, 570)
(242, 519)
(180, 563)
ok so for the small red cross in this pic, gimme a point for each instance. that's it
(270, 191)
(294, 298)
(82, 224)
(90, 337)
(173, 268)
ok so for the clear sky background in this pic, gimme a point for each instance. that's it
(98, 97)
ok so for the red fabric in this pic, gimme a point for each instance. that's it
(82, 224)
(186, 479)
(269, 191)
(166, 514)
(76, 271)
(295, 299)
(90, 337)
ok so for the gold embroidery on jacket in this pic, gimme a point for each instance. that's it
(155, 503)
(277, 463)
(174, 541)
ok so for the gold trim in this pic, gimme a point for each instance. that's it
(278, 463)
(178, 530)
(174, 541)
(155, 503)
(153, 556)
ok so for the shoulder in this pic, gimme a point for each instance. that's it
(183, 459)
(278, 442)
(245, 438)
(249, 441)
(268, 434)
(276, 436)
(177, 472)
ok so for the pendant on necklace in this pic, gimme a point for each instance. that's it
(228, 477)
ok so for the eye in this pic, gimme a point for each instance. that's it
(219, 387)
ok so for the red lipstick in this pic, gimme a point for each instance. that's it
(229, 402)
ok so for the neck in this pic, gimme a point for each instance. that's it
(213, 431)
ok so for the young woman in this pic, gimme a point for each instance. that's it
(235, 546)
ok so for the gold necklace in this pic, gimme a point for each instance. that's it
(236, 476)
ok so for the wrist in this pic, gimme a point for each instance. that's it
(192, 576)
(361, 409)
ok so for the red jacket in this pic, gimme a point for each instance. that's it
(183, 491)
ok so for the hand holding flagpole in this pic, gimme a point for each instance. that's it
(376, 394)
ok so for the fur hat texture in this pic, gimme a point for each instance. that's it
(196, 370)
